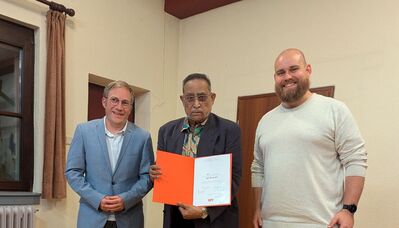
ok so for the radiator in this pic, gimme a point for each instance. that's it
(17, 216)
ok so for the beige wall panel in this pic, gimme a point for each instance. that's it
(350, 44)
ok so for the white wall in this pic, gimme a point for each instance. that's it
(350, 44)
(133, 41)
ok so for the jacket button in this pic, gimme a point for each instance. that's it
(113, 183)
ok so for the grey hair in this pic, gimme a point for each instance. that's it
(117, 84)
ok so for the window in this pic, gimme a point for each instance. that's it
(16, 106)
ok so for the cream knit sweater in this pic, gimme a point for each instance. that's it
(301, 158)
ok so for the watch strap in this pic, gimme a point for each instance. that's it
(352, 208)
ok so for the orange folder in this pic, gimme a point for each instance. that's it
(176, 184)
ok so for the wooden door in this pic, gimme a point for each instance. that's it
(249, 111)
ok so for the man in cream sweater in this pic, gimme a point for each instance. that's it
(309, 159)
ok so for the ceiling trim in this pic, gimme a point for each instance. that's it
(187, 8)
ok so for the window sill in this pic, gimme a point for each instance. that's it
(19, 198)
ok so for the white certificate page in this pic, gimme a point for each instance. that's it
(212, 180)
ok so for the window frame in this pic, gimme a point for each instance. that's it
(22, 37)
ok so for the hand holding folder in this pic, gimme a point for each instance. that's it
(203, 181)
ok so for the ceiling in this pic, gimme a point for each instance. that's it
(186, 8)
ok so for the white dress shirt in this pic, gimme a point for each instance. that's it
(114, 145)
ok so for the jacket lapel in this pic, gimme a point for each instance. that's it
(174, 142)
(128, 135)
(100, 128)
(208, 138)
(177, 141)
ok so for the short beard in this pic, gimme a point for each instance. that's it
(292, 96)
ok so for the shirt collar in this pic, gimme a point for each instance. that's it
(186, 125)
(121, 132)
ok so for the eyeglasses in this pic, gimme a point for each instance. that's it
(115, 101)
(190, 98)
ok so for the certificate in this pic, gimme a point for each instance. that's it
(203, 181)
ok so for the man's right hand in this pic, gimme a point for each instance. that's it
(112, 204)
(155, 172)
(257, 220)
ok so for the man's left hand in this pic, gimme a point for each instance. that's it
(343, 218)
(190, 211)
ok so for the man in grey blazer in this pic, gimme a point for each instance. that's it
(201, 133)
(108, 163)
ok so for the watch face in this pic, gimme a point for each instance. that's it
(204, 213)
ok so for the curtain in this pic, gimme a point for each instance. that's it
(54, 183)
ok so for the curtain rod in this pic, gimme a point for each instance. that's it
(58, 7)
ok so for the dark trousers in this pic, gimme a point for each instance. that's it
(110, 224)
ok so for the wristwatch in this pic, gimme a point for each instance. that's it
(350, 207)
(204, 213)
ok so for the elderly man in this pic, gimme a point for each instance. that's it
(200, 133)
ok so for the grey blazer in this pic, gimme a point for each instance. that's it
(219, 136)
(89, 173)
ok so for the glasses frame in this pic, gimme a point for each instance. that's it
(200, 97)
(116, 101)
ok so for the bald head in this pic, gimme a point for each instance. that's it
(291, 77)
(290, 53)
